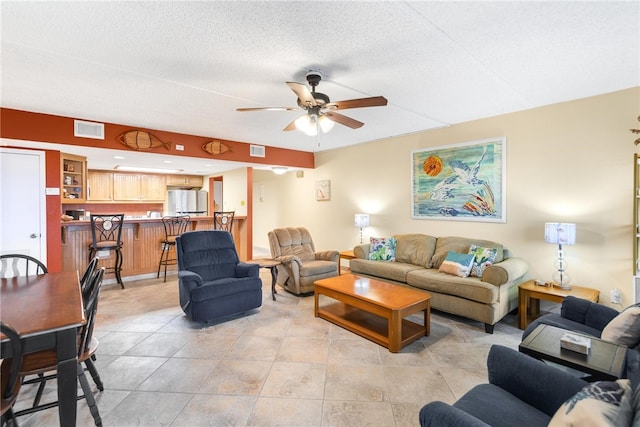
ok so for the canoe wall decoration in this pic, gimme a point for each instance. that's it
(215, 147)
(637, 141)
(140, 140)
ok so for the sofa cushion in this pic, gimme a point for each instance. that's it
(396, 271)
(415, 249)
(382, 249)
(624, 328)
(457, 264)
(461, 245)
(483, 258)
(603, 403)
(470, 288)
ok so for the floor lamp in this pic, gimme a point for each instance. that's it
(561, 234)
(361, 221)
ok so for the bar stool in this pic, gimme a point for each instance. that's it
(173, 227)
(106, 234)
(223, 221)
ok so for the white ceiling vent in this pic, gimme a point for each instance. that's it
(88, 129)
(256, 151)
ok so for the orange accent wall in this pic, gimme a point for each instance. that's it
(25, 125)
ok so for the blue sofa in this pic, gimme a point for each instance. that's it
(521, 391)
(212, 281)
(590, 318)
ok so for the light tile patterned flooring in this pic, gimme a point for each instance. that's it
(280, 366)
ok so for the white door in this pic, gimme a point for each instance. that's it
(23, 203)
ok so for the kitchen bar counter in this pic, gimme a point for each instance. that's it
(141, 238)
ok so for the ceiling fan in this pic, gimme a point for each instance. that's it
(320, 111)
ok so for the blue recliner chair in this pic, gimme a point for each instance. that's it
(212, 281)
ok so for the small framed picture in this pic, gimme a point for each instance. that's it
(323, 190)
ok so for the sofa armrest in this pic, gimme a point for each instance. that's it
(586, 312)
(244, 269)
(505, 271)
(530, 380)
(438, 414)
(189, 280)
(327, 255)
(362, 251)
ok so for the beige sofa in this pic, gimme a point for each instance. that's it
(418, 257)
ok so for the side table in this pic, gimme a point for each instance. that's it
(344, 255)
(271, 264)
(605, 361)
(530, 294)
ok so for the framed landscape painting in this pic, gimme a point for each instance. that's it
(461, 182)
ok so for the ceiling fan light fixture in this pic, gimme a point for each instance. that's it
(326, 124)
(279, 170)
(307, 124)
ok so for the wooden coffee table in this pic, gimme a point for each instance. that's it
(605, 360)
(374, 309)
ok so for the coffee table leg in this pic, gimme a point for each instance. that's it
(522, 309)
(395, 331)
(427, 320)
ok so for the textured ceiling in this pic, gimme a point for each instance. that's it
(186, 66)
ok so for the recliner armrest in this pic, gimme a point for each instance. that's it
(530, 380)
(244, 269)
(327, 255)
(288, 259)
(189, 280)
(438, 414)
(586, 312)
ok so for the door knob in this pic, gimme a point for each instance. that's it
(33, 236)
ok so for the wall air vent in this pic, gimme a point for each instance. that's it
(88, 129)
(256, 151)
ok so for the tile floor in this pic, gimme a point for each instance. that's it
(279, 366)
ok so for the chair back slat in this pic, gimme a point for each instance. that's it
(223, 220)
(175, 225)
(106, 227)
(88, 273)
(16, 265)
(90, 300)
(16, 361)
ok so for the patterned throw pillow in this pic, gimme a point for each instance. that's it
(382, 249)
(457, 264)
(603, 403)
(483, 258)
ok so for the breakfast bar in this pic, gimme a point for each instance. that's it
(141, 247)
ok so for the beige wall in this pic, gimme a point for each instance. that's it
(234, 191)
(570, 162)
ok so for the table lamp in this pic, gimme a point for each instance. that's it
(361, 221)
(562, 234)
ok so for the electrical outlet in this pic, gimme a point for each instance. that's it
(615, 297)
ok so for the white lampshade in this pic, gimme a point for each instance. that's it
(326, 124)
(307, 124)
(560, 233)
(362, 220)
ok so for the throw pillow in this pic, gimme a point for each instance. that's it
(624, 328)
(382, 249)
(603, 403)
(457, 264)
(483, 258)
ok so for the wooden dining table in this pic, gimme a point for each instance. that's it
(46, 310)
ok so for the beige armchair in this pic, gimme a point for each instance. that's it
(301, 264)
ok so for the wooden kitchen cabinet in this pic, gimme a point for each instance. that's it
(138, 187)
(99, 186)
(73, 177)
(191, 181)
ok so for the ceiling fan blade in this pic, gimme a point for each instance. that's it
(374, 101)
(305, 97)
(268, 109)
(344, 120)
(291, 126)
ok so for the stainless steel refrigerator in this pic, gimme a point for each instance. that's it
(187, 202)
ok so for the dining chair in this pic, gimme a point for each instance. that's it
(173, 227)
(10, 375)
(223, 220)
(89, 273)
(14, 265)
(43, 362)
(106, 235)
